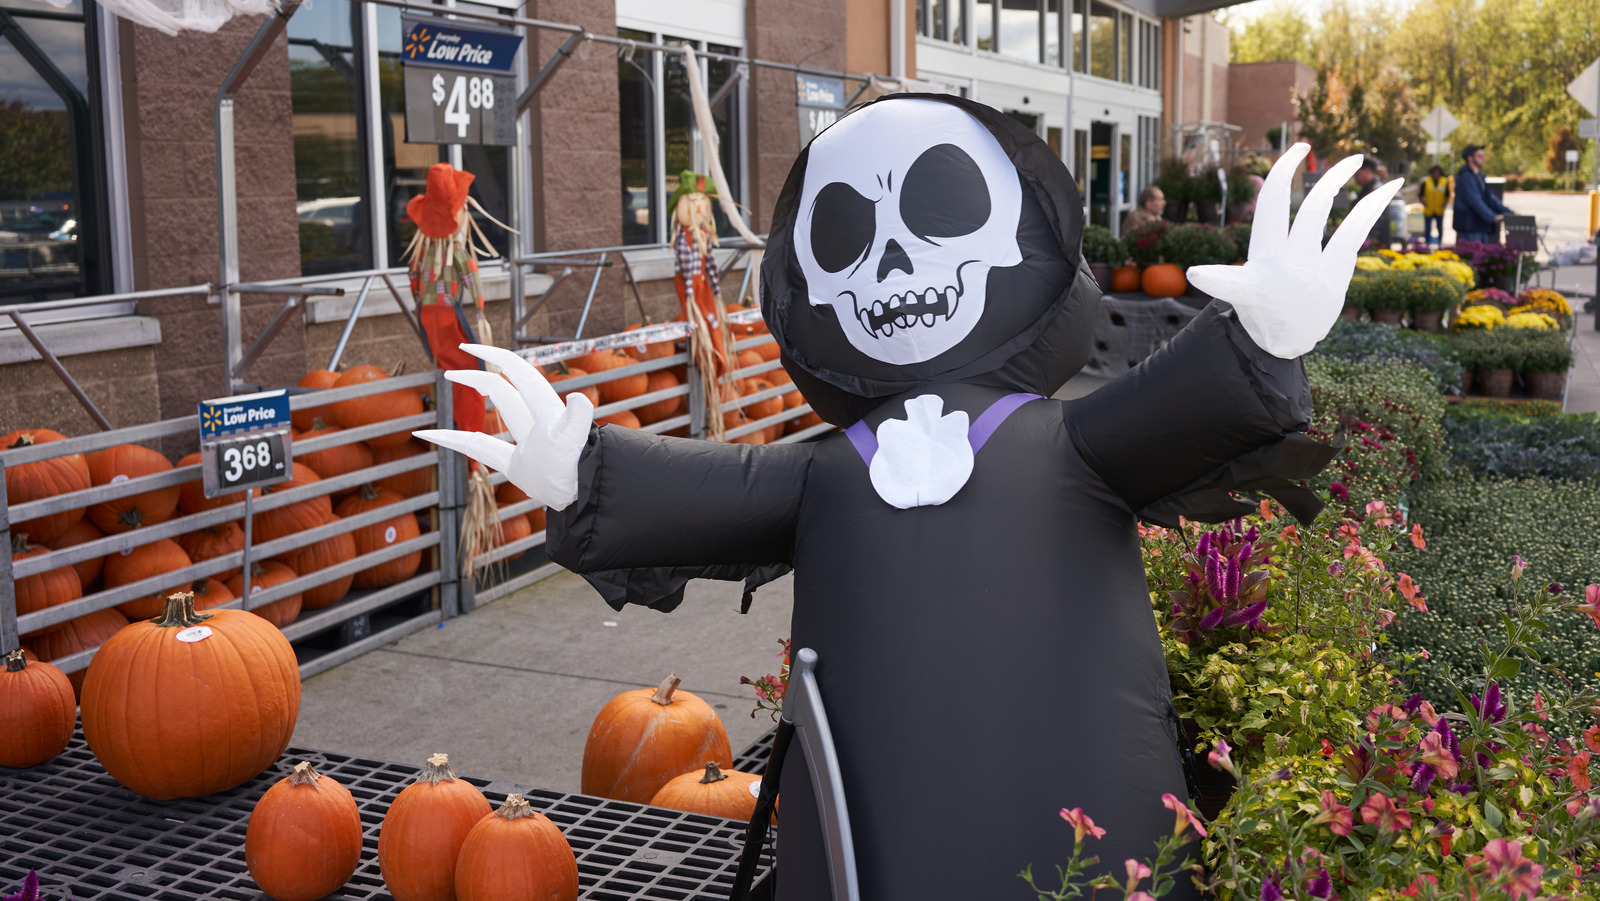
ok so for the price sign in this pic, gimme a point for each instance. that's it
(459, 83)
(244, 442)
(820, 102)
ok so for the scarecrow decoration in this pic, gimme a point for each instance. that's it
(443, 259)
(965, 552)
(699, 285)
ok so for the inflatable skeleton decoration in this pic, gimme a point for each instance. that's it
(965, 557)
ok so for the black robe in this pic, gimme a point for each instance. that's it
(988, 661)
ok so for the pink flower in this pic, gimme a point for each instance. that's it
(1578, 769)
(1417, 540)
(1591, 738)
(1380, 512)
(1591, 604)
(1081, 824)
(1428, 714)
(1184, 817)
(1538, 706)
(1136, 872)
(1412, 593)
(1518, 566)
(1381, 810)
(1219, 756)
(1385, 618)
(1433, 752)
(1338, 817)
(1519, 877)
(1140, 896)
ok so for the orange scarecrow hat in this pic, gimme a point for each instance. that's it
(437, 211)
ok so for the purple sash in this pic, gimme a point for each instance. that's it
(978, 434)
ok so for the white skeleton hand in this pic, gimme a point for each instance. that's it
(550, 437)
(1292, 289)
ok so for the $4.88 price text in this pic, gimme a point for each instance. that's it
(465, 93)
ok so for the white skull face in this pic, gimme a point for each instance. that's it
(906, 207)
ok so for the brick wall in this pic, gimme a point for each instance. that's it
(169, 89)
(121, 383)
(1261, 96)
(803, 32)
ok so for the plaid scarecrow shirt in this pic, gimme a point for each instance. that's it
(689, 262)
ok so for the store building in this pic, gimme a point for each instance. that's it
(112, 186)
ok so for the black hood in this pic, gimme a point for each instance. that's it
(1037, 328)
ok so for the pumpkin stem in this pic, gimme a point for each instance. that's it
(369, 493)
(303, 774)
(256, 570)
(16, 661)
(131, 517)
(515, 808)
(663, 695)
(713, 774)
(180, 612)
(437, 770)
(23, 440)
(20, 543)
(317, 424)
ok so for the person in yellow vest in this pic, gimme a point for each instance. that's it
(1435, 196)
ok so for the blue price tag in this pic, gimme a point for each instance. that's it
(226, 416)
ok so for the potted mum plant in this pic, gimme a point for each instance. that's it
(1431, 294)
(1102, 251)
(1173, 179)
(1546, 357)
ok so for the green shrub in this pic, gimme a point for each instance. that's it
(1100, 246)
(1474, 526)
(1376, 341)
(1173, 180)
(1419, 290)
(1240, 233)
(1532, 440)
(1429, 291)
(1490, 349)
(1197, 244)
(1145, 242)
(1388, 412)
(1546, 352)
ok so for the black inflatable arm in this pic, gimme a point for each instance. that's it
(653, 513)
(1209, 414)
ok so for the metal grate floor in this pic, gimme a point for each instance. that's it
(90, 838)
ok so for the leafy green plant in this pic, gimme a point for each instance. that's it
(1546, 352)
(1531, 440)
(1429, 291)
(1372, 341)
(1145, 243)
(1490, 349)
(1100, 246)
(1172, 177)
(1240, 190)
(1197, 244)
(1204, 187)
(1240, 233)
(1388, 413)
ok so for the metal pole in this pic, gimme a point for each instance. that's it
(555, 62)
(249, 518)
(519, 290)
(61, 372)
(349, 325)
(8, 586)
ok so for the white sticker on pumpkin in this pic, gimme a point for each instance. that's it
(389, 535)
(119, 477)
(192, 635)
(755, 789)
(126, 551)
(924, 459)
(256, 588)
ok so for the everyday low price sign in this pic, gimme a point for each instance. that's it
(458, 81)
(244, 442)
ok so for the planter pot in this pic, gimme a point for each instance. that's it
(1206, 213)
(1215, 787)
(1175, 211)
(1466, 382)
(1432, 321)
(1386, 316)
(1506, 283)
(1495, 382)
(1350, 314)
(1102, 275)
(1544, 385)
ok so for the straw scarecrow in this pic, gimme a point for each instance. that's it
(699, 284)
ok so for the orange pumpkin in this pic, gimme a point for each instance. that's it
(304, 837)
(330, 551)
(335, 461)
(718, 793)
(377, 407)
(296, 517)
(320, 379)
(561, 372)
(381, 534)
(655, 411)
(513, 854)
(423, 831)
(214, 541)
(1163, 280)
(80, 532)
(210, 593)
(265, 574)
(536, 520)
(623, 387)
(221, 686)
(37, 711)
(41, 479)
(406, 484)
(643, 738)
(78, 634)
(761, 409)
(1125, 278)
(40, 590)
(806, 421)
(513, 528)
(654, 351)
(624, 418)
(192, 495)
(119, 464)
(142, 562)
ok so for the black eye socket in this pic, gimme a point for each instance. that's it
(842, 225)
(943, 194)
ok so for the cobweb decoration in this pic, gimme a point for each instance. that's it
(173, 16)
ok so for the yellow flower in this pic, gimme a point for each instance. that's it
(1389, 254)
(1536, 321)
(1546, 300)
(1448, 255)
(1370, 264)
(1484, 317)
(1461, 272)
(1402, 264)
(1418, 259)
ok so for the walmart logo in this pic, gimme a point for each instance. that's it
(212, 420)
(417, 41)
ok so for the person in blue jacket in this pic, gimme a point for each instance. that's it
(1477, 212)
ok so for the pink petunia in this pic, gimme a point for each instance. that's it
(1081, 824)
(1338, 817)
(1219, 757)
(1417, 540)
(1591, 603)
(1591, 738)
(1578, 769)
(1520, 877)
(1518, 566)
(1428, 714)
(1433, 752)
(1183, 816)
(1412, 593)
(1136, 872)
(1383, 812)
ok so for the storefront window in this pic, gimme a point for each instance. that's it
(53, 234)
(1052, 32)
(1125, 59)
(1019, 29)
(636, 104)
(330, 190)
(983, 23)
(1149, 55)
(1102, 41)
(1079, 36)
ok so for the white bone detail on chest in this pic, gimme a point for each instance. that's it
(926, 458)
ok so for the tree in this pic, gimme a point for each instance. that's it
(1281, 32)
(1560, 142)
(35, 152)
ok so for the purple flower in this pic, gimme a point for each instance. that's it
(1202, 547)
(1214, 576)
(1449, 737)
(1270, 890)
(1422, 777)
(1413, 703)
(1213, 619)
(1338, 490)
(30, 889)
(1231, 589)
(1321, 885)
(1489, 707)
(1249, 617)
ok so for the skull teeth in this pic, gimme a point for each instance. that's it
(908, 309)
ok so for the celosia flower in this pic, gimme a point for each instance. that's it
(1382, 811)
(30, 888)
(1081, 824)
(1219, 758)
(1183, 816)
(1416, 537)
(1578, 769)
(1489, 707)
(1519, 876)
(1320, 885)
(1338, 817)
(1270, 890)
